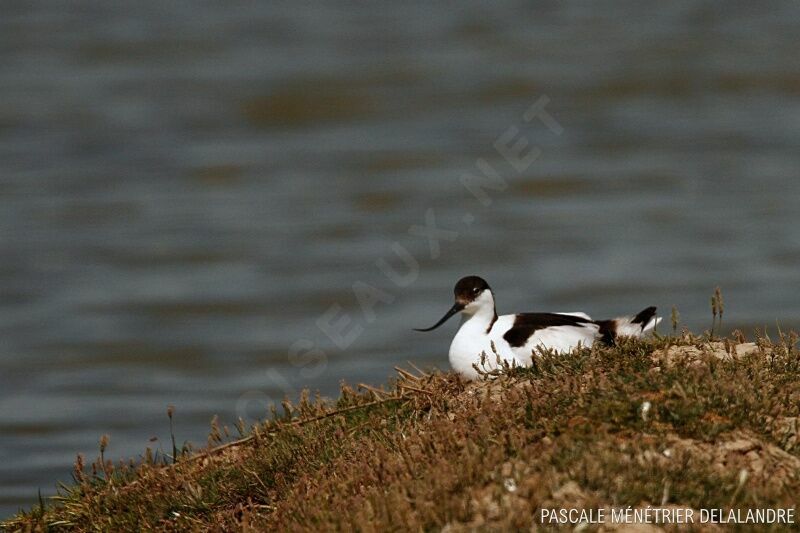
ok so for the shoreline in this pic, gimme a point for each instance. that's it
(672, 422)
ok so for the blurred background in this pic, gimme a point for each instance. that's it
(187, 187)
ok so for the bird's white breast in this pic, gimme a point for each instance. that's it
(472, 340)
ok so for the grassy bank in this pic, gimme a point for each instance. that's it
(669, 423)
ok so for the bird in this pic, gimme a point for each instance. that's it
(516, 338)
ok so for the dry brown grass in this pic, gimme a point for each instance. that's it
(433, 452)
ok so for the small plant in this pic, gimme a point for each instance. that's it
(170, 412)
(106, 468)
(717, 310)
(675, 318)
(214, 436)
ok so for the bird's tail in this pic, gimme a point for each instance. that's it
(636, 326)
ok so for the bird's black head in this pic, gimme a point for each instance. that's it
(467, 292)
(468, 289)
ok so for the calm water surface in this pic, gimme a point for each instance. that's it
(186, 188)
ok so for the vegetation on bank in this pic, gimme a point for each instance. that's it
(670, 422)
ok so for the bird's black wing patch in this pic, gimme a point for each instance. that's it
(526, 324)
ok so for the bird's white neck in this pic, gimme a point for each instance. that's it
(480, 314)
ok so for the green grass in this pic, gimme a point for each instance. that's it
(432, 451)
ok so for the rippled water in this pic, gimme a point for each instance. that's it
(186, 189)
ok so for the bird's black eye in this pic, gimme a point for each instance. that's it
(475, 290)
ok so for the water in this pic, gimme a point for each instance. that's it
(187, 188)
